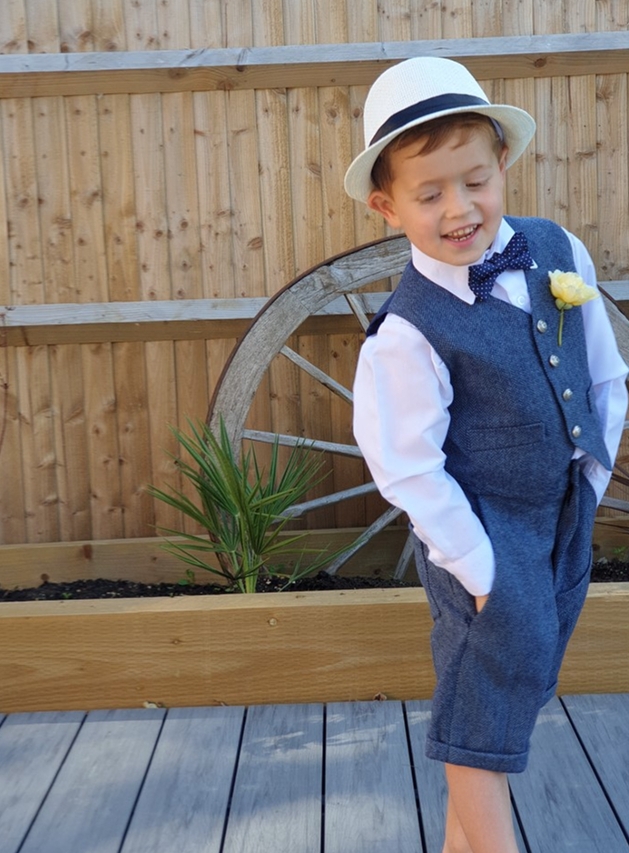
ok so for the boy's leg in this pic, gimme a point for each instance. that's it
(455, 839)
(480, 802)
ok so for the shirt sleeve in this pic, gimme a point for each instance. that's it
(607, 370)
(402, 392)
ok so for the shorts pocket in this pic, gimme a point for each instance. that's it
(569, 605)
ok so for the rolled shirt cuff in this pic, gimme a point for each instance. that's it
(475, 570)
(597, 475)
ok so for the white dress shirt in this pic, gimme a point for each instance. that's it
(402, 393)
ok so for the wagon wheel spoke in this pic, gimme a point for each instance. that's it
(318, 374)
(307, 443)
(297, 510)
(379, 524)
(356, 302)
(615, 503)
(405, 558)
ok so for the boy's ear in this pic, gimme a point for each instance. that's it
(503, 159)
(383, 204)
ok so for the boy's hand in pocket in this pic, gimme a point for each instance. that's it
(481, 601)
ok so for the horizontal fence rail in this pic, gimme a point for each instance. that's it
(227, 69)
(175, 319)
(163, 320)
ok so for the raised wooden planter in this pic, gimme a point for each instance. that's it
(271, 648)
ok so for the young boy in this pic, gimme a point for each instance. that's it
(489, 412)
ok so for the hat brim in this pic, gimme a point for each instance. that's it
(517, 125)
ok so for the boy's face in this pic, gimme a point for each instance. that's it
(449, 203)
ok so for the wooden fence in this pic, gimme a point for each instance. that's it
(166, 166)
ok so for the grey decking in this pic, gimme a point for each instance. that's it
(341, 778)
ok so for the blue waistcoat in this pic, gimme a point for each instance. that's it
(521, 403)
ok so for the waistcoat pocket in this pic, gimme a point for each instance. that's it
(496, 438)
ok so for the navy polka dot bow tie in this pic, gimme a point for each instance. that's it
(515, 257)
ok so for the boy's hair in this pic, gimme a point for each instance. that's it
(434, 133)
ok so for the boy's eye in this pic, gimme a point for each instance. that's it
(475, 184)
(426, 199)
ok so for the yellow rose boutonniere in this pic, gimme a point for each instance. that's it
(569, 290)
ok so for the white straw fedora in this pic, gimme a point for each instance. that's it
(418, 90)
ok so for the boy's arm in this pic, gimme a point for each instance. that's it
(401, 396)
(607, 370)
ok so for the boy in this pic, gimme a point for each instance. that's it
(488, 411)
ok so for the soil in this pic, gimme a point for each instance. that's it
(603, 571)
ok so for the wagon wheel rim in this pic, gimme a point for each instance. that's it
(280, 318)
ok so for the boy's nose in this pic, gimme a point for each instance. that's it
(459, 202)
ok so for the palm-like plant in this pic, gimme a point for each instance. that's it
(242, 507)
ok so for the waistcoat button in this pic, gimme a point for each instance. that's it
(576, 431)
(554, 361)
(542, 326)
(567, 394)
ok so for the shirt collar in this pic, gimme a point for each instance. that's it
(454, 278)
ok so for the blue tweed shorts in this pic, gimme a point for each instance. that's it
(497, 668)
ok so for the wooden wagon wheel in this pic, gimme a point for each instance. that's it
(341, 277)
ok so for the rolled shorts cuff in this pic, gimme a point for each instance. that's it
(508, 763)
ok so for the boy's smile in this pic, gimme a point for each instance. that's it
(449, 202)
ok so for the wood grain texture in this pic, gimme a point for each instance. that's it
(67, 409)
(35, 479)
(12, 501)
(583, 214)
(557, 799)
(583, 665)
(185, 798)
(190, 651)
(432, 791)
(146, 561)
(243, 68)
(277, 774)
(602, 724)
(133, 422)
(32, 749)
(76, 813)
(276, 801)
(215, 649)
(370, 801)
(13, 33)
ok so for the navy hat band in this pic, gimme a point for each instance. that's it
(425, 108)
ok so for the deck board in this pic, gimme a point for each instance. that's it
(369, 795)
(32, 749)
(342, 778)
(276, 804)
(90, 803)
(431, 782)
(184, 799)
(559, 801)
(602, 724)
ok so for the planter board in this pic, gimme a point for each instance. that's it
(146, 561)
(259, 649)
